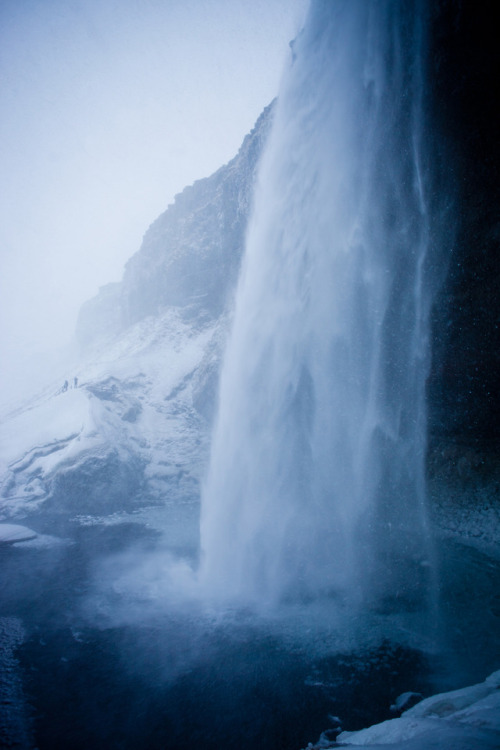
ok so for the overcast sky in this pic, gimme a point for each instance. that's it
(108, 109)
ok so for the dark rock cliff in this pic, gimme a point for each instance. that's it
(190, 255)
(463, 388)
(465, 80)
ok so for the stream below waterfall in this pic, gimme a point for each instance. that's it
(99, 666)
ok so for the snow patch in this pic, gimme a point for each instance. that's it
(11, 533)
(466, 719)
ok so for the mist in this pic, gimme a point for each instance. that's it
(251, 499)
(109, 110)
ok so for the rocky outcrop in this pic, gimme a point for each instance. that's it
(463, 74)
(190, 255)
(463, 392)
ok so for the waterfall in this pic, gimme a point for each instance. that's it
(316, 479)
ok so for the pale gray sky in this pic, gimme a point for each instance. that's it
(108, 109)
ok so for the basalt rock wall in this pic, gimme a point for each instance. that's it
(464, 74)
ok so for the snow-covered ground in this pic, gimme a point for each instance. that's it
(126, 436)
(466, 719)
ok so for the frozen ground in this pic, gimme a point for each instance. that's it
(466, 719)
(128, 435)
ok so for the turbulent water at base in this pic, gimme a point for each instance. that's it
(316, 480)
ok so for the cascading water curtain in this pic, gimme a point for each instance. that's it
(316, 480)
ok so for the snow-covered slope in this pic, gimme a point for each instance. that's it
(128, 435)
(134, 431)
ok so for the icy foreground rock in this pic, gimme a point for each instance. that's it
(463, 719)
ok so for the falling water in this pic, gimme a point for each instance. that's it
(316, 481)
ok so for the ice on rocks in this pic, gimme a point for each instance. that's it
(465, 719)
(11, 533)
(406, 701)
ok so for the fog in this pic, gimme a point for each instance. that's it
(263, 558)
(108, 110)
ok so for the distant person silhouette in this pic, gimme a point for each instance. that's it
(65, 386)
(75, 382)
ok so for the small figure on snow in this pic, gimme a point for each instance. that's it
(65, 386)
(75, 382)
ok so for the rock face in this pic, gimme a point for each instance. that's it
(464, 472)
(464, 73)
(190, 255)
